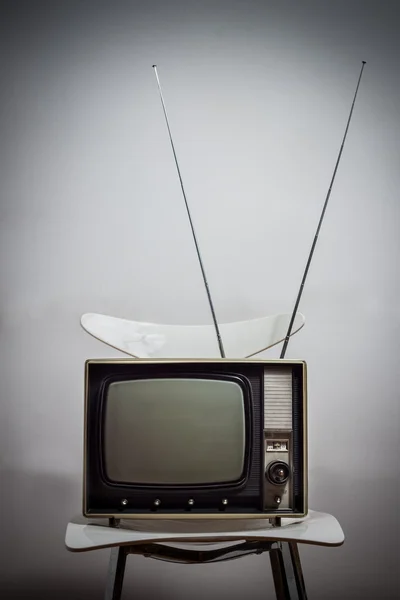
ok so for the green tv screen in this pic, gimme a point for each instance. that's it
(174, 431)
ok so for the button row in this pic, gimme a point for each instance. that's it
(157, 502)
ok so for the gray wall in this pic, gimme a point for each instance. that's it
(92, 220)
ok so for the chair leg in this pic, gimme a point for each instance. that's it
(287, 572)
(116, 572)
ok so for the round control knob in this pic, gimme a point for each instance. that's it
(277, 472)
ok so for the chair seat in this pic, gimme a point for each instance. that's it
(317, 528)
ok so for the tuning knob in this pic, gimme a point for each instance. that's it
(277, 472)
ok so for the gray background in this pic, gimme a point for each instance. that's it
(92, 220)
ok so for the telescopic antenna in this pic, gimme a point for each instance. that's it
(289, 331)
(221, 347)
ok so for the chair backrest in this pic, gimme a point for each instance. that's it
(241, 339)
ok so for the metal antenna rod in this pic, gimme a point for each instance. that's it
(221, 347)
(289, 331)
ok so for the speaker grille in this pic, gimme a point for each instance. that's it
(278, 398)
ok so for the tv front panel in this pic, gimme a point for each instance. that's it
(212, 438)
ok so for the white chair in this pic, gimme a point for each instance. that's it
(201, 541)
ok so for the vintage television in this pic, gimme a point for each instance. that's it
(212, 438)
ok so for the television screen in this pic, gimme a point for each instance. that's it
(174, 431)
